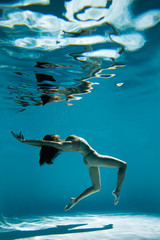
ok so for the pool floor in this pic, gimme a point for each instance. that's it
(82, 226)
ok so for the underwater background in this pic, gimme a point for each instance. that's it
(89, 68)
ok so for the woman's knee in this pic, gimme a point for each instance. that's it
(97, 188)
(123, 165)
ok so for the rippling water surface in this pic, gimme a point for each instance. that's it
(49, 58)
(89, 68)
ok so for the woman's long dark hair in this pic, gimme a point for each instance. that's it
(48, 154)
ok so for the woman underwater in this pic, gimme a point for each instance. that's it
(51, 146)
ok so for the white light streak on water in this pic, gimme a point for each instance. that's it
(25, 3)
(49, 30)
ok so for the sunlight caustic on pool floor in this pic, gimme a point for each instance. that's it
(82, 226)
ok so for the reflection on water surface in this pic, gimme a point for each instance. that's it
(46, 58)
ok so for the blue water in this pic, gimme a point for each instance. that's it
(89, 68)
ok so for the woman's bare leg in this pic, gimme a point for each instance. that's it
(95, 178)
(115, 163)
(120, 178)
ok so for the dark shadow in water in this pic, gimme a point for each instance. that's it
(63, 229)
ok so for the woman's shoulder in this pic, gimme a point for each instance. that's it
(71, 137)
(74, 138)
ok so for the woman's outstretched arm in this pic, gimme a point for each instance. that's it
(19, 137)
(62, 145)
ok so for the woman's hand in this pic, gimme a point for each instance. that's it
(19, 136)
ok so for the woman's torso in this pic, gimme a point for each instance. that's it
(81, 146)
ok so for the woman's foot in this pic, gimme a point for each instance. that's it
(117, 196)
(70, 204)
